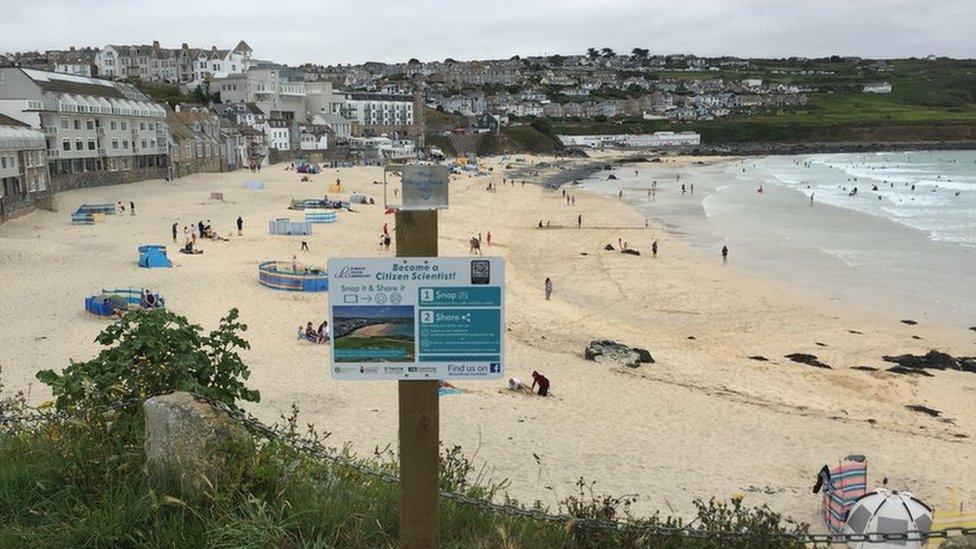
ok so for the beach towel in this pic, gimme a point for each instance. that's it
(953, 516)
(848, 481)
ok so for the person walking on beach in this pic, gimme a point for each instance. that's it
(548, 288)
(174, 233)
(654, 249)
(488, 238)
(132, 208)
(240, 226)
(579, 221)
(692, 188)
(193, 234)
(725, 255)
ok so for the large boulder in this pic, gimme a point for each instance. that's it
(602, 350)
(183, 435)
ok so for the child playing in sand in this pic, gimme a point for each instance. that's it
(515, 384)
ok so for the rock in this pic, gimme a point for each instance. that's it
(961, 542)
(911, 371)
(609, 247)
(923, 410)
(934, 360)
(865, 368)
(973, 328)
(809, 360)
(909, 322)
(820, 344)
(629, 251)
(600, 350)
(644, 355)
(760, 358)
(854, 332)
(611, 177)
(181, 435)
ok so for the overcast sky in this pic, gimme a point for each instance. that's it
(330, 31)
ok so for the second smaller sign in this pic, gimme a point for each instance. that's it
(425, 187)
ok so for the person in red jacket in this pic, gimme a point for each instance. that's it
(542, 381)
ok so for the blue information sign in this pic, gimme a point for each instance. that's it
(417, 318)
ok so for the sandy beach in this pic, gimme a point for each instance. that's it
(704, 420)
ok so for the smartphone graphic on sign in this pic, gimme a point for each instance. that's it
(480, 271)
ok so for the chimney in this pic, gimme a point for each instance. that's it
(155, 44)
(184, 46)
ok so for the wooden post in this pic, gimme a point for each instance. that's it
(416, 236)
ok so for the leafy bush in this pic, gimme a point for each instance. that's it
(156, 352)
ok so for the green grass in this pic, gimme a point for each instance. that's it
(85, 484)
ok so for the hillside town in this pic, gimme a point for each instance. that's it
(118, 113)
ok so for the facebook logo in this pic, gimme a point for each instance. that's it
(494, 368)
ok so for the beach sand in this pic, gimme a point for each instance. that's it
(704, 420)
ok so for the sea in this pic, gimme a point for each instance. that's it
(893, 232)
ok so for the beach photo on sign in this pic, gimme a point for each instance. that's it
(372, 333)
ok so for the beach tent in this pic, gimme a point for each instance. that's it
(843, 485)
(153, 257)
(888, 512)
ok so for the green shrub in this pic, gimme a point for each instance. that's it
(156, 352)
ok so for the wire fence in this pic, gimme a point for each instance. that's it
(635, 529)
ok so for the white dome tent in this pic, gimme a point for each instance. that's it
(888, 512)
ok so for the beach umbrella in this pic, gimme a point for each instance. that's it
(888, 512)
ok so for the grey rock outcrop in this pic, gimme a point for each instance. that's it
(182, 434)
(602, 350)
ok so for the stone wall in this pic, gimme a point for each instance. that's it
(16, 205)
(67, 182)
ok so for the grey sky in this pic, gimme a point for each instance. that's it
(331, 31)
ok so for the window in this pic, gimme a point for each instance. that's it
(3, 162)
(143, 143)
(123, 126)
(64, 123)
(90, 124)
(91, 144)
(112, 124)
(142, 126)
(152, 126)
(66, 145)
(115, 143)
(125, 144)
(77, 124)
(79, 146)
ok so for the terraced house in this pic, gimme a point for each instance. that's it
(23, 168)
(97, 132)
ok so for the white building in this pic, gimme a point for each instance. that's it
(341, 127)
(189, 67)
(23, 165)
(752, 83)
(877, 87)
(375, 109)
(90, 125)
(656, 139)
(278, 134)
(275, 95)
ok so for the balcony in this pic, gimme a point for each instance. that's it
(50, 130)
(100, 131)
(101, 151)
(54, 153)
